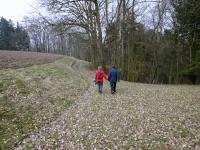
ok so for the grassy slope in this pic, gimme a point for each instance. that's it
(19, 59)
(32, 96)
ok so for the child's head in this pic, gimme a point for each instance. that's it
(99, 67)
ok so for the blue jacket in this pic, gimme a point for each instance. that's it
(113, 75)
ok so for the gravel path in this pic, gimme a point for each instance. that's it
(139, 116)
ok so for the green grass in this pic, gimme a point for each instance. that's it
(52, 71)
(15, 122)
(20, 84)
(50, 87)
(61, 101)
(23, 89)
(182, 131)
(5, 82)
(2, 87)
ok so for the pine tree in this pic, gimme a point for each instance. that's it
(21, 38)
(12, 38)
(6, 32)
(187, 27)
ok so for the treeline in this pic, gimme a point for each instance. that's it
(164, 47)
(55, 38)
(13, 38)
(187, 39)
(149, 41)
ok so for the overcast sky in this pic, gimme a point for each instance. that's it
(16, 9)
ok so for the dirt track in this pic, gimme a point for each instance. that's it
(19, 59)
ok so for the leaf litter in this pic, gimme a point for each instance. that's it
(139, 116)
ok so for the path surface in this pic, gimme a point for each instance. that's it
(139, 116)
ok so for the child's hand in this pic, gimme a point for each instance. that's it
(95, 81)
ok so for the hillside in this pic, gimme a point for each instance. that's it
(56, 106)
(33, 96)
(19, 59)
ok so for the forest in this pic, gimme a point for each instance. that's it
(13, 38)
(149, 41)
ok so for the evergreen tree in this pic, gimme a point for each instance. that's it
(12, 38)
(187, 28)
(21, 38)
(6, 32)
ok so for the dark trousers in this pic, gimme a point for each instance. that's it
(113, 87)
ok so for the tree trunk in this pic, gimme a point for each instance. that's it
(99, 34)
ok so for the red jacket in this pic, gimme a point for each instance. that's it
(98, 78)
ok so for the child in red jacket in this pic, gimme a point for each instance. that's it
(99, 78)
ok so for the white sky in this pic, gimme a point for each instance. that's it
(16, 9)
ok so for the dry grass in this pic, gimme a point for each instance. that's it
(19, 59)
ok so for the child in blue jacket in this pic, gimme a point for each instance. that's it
(113, 77)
